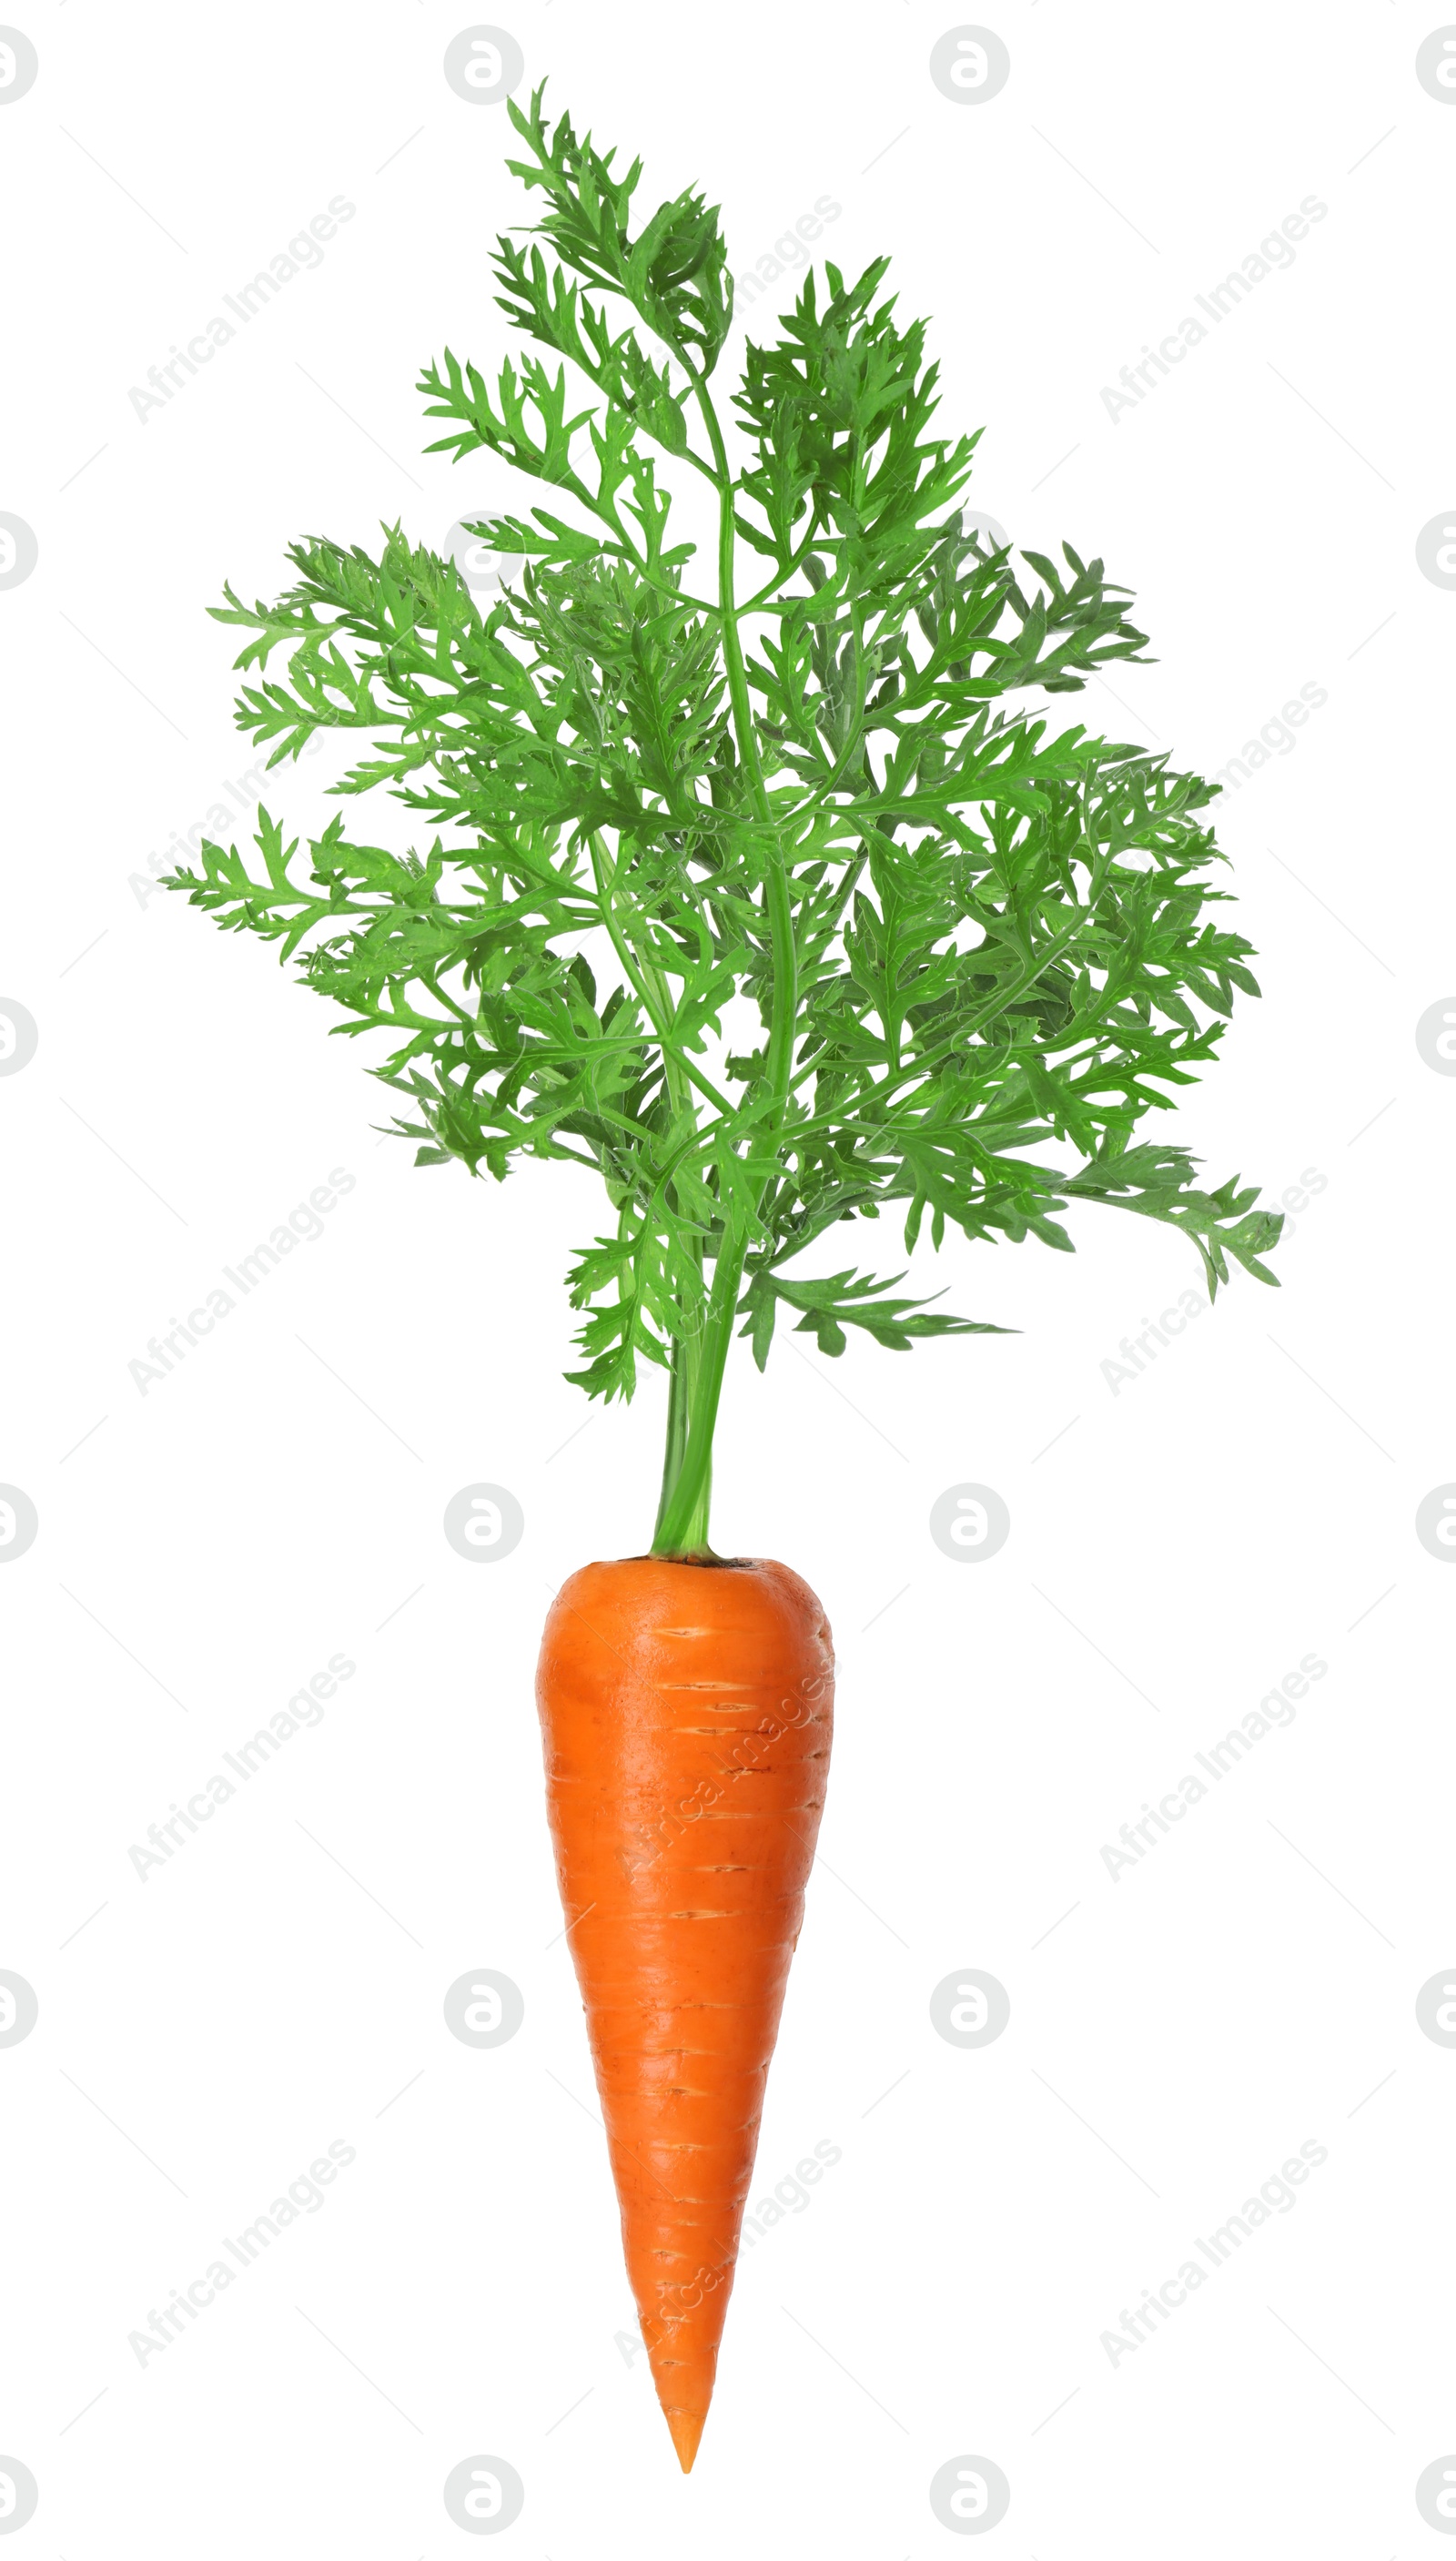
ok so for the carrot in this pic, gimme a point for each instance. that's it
(875, 943)
(686, 1714)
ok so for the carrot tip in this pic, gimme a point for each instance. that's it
(687, 2428)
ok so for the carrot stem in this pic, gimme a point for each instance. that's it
(692, 1401)
(778, 905)
(683, 1393)
(699, 1361)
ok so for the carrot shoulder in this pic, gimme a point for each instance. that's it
(685, 1715)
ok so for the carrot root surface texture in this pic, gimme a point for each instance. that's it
(686, 1713)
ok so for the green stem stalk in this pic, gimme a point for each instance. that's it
(698, 1366)
(693, 1400)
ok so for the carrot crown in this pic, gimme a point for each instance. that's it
(756, 892)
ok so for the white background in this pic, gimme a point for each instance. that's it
(1176, 1548)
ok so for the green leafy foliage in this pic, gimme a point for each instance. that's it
(776, 908)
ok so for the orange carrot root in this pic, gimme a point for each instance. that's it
(686, 1713)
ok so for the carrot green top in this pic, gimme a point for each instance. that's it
(757, 889)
